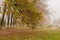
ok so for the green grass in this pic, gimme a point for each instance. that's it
(32, 35)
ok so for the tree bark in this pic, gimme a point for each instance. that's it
(8, 20)
(12, 18)
(2, 21)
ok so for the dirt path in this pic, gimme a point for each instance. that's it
(10, 31)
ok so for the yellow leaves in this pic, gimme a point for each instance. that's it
(27, 11)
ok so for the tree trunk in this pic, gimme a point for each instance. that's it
(12, 18)
(2, 21)
(8, 20)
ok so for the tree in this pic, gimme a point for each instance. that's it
(25, 10)
(2, 21)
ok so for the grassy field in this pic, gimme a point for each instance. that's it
(28, 34)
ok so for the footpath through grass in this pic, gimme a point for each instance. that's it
(28, 34)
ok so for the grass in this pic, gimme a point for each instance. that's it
(28, 34)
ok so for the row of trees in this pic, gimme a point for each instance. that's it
(24, 12)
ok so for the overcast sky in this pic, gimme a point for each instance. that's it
(54, 6)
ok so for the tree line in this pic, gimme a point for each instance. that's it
(23, 12)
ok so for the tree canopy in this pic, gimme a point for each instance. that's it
(24, 9)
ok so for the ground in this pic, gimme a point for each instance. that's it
(29, 34)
